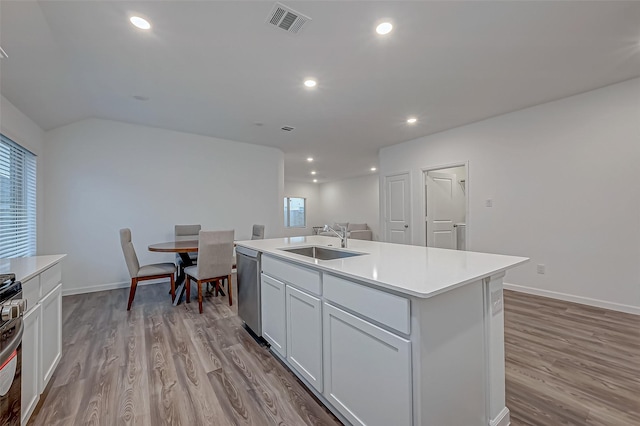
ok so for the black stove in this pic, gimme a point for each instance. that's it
(11, 309)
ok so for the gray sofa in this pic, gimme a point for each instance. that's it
(355, 231)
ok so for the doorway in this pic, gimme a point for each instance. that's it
(445, 207)
(397, 215)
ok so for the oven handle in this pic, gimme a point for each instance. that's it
(13, 343)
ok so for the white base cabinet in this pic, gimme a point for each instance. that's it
(367, 370)
(304, 335)
(41, 278)
(51, 334)
(274, 323)
(30, 361)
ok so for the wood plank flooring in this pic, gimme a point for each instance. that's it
(566, 364)
(570, 364)
(160, 365)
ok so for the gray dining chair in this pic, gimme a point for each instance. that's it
(146, 272)
(258, 232)
(186, 233)
(215, 260)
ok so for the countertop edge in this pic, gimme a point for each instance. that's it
(54, 258)
(386, 286)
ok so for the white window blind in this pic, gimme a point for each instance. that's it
(17, 200)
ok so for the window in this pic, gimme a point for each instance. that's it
(17, 200)
(294, 212)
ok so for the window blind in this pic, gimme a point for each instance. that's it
(17, 200)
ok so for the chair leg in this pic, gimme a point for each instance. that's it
(173, 287)
(200, 295)
(229, 290)
(217, 285)
(132, 292)
(187, 284)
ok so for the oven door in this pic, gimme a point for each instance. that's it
(10, 372)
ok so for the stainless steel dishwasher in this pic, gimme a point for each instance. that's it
(249, 309)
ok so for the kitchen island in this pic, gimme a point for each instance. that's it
(392, 334)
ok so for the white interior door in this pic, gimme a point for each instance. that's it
(443, 198)
(397, 209)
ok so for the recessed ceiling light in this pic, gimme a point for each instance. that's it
(310, 159)
(412, 120)
(315, 181)
(313, 172)
(373, 169)
(310, 83)
(139, 22)
(384, 28)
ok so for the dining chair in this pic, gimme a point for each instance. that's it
(215, 250)
(146, 272)
(258, 232)
(186, 233)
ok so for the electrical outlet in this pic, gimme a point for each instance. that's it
(488, 203)
(540, 268)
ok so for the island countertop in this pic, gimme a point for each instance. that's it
(411, 270)
(28, 267)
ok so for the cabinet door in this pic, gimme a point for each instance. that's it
(304, 335)
(51, 334)
(30, 361)
(363, 364)
(274, 328)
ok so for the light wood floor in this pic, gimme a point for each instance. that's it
(570, 364)
(567, 364)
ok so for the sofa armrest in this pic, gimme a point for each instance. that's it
(361, 235)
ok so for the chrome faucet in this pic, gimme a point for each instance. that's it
(342, 235)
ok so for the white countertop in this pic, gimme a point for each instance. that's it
(28, 267)
(411, 270)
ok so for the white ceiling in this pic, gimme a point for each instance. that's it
(215, 68)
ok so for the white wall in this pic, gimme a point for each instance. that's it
(105, 175)
(564, 183)
(23, 131)
(353, 200)
(311, 192)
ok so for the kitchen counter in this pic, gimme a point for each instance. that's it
(418, 328)
(412, 270)
(26, 268)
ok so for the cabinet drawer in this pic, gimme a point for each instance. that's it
(299, 276)
(385, 308)
(50, 278)
(31, 291)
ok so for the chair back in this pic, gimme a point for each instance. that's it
(215, 253)
(129, 252)
(258, 232)
(187, 232)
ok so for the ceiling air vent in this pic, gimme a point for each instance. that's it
(288, 128)
(286, 18)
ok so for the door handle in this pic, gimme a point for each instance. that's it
(406, 226)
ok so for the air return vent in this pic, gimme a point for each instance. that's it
(288, 128)
(287, 19)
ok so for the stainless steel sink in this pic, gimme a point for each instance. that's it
(322, 253)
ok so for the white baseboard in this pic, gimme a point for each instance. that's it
(502, 419)
(575, 299)
(110, 286)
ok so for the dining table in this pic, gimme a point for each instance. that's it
(182, 248)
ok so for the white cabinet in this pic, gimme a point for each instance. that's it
(41, 278)
(30, 361)
(367, 370)
(274, 328)
(304, 335)
(51, 334)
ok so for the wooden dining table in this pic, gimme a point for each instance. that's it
(183, 248)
